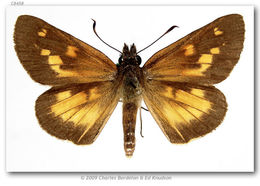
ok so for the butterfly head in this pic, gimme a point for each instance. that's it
(129, 56)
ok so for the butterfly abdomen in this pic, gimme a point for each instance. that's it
(129, 120)
(131, 103)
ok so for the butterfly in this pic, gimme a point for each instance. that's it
(176, 83)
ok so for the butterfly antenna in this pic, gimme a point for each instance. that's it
(170, 29)
(94, 29)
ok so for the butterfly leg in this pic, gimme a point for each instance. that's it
(141, 123)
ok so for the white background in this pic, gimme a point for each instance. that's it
(29, 148)
(144, 152)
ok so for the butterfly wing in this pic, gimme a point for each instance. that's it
(77, 112)
(205, 56)
(85, 90)
(178, 79)
(53, 57)
(184, 111)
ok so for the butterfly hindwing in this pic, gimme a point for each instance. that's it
(184, 111)
(206, 56)
(77, 112)
(53, 57)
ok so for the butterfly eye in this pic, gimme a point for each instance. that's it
(120, 60)
(139, 60)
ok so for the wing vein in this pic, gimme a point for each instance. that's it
(177, 130)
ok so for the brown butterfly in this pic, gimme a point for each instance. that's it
(176, 83)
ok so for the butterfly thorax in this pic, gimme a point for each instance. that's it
(131, 74)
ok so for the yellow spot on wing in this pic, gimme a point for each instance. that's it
(197, 92)
(93, 94)
(69, 103)
(196, 72)
(67, 115)
(205, 58)
(63, 95)
(217, 31)
(193, 100)
(42, 33)
(189, 50)
(71, 51)
(214, 50)
(77, 117)
(53, 60)
(205, 61)
(90, 117)
(45, 52)
(193, 108)
(168, 92)
(173, 117)
(195, 112)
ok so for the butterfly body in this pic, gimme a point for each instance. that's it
(176, 83)
(131, 75)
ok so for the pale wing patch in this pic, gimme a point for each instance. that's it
(93, 94)
(205, 61)
(197, 92)
(200, 97)
(45, 52)
(95, 113)
(205, 58)
(215, 50)
(193, 100)
(63, 95)
(196, 72)
(168, 92)
(71, 102)
(71, 51)
(55, 62)
(70, 108)
(42, 33)
(189, 50)
(67, 115)
(173, 117)
(217, 31)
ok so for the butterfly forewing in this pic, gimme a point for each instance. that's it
(206, 56)
(53, 57)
